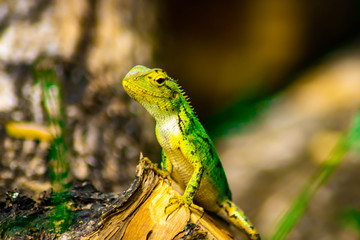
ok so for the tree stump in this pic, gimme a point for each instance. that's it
(142, 215)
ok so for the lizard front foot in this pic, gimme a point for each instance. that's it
(176, 203)
(163, 174)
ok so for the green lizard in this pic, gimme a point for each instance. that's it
(188, 154)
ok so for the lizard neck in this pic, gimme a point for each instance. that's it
(161, 111)
(183, 111)
(180, 123)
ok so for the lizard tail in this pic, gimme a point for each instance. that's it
(236, 216)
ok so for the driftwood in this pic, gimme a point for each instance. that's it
(85, 213)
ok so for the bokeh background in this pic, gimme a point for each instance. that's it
(275, 82)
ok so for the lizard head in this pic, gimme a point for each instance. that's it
(154, 89)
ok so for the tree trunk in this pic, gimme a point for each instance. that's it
(91, 44)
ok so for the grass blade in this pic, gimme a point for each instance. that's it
(349, 141)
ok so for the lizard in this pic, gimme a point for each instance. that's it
(188, 154)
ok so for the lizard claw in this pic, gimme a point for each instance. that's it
(178, 203)
(163, 174)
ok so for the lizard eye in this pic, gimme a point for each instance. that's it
(160, 81)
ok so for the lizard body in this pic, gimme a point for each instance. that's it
(188, 154)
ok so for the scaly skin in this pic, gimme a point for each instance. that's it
(188, 154)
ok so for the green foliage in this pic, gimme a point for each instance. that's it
(60, 166)
(351, 218)
(52, 99)
(348, 142)
(233, 118)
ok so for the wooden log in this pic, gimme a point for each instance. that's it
(82, 212)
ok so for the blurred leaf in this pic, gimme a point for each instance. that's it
(52, 97)
(351, 218)
(233, 118)
(353, 138)
(300, 204)
(60, 166)
(29, 130)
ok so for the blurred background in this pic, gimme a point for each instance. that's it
(275, 83)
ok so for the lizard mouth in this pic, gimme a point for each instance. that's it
(136, 90)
